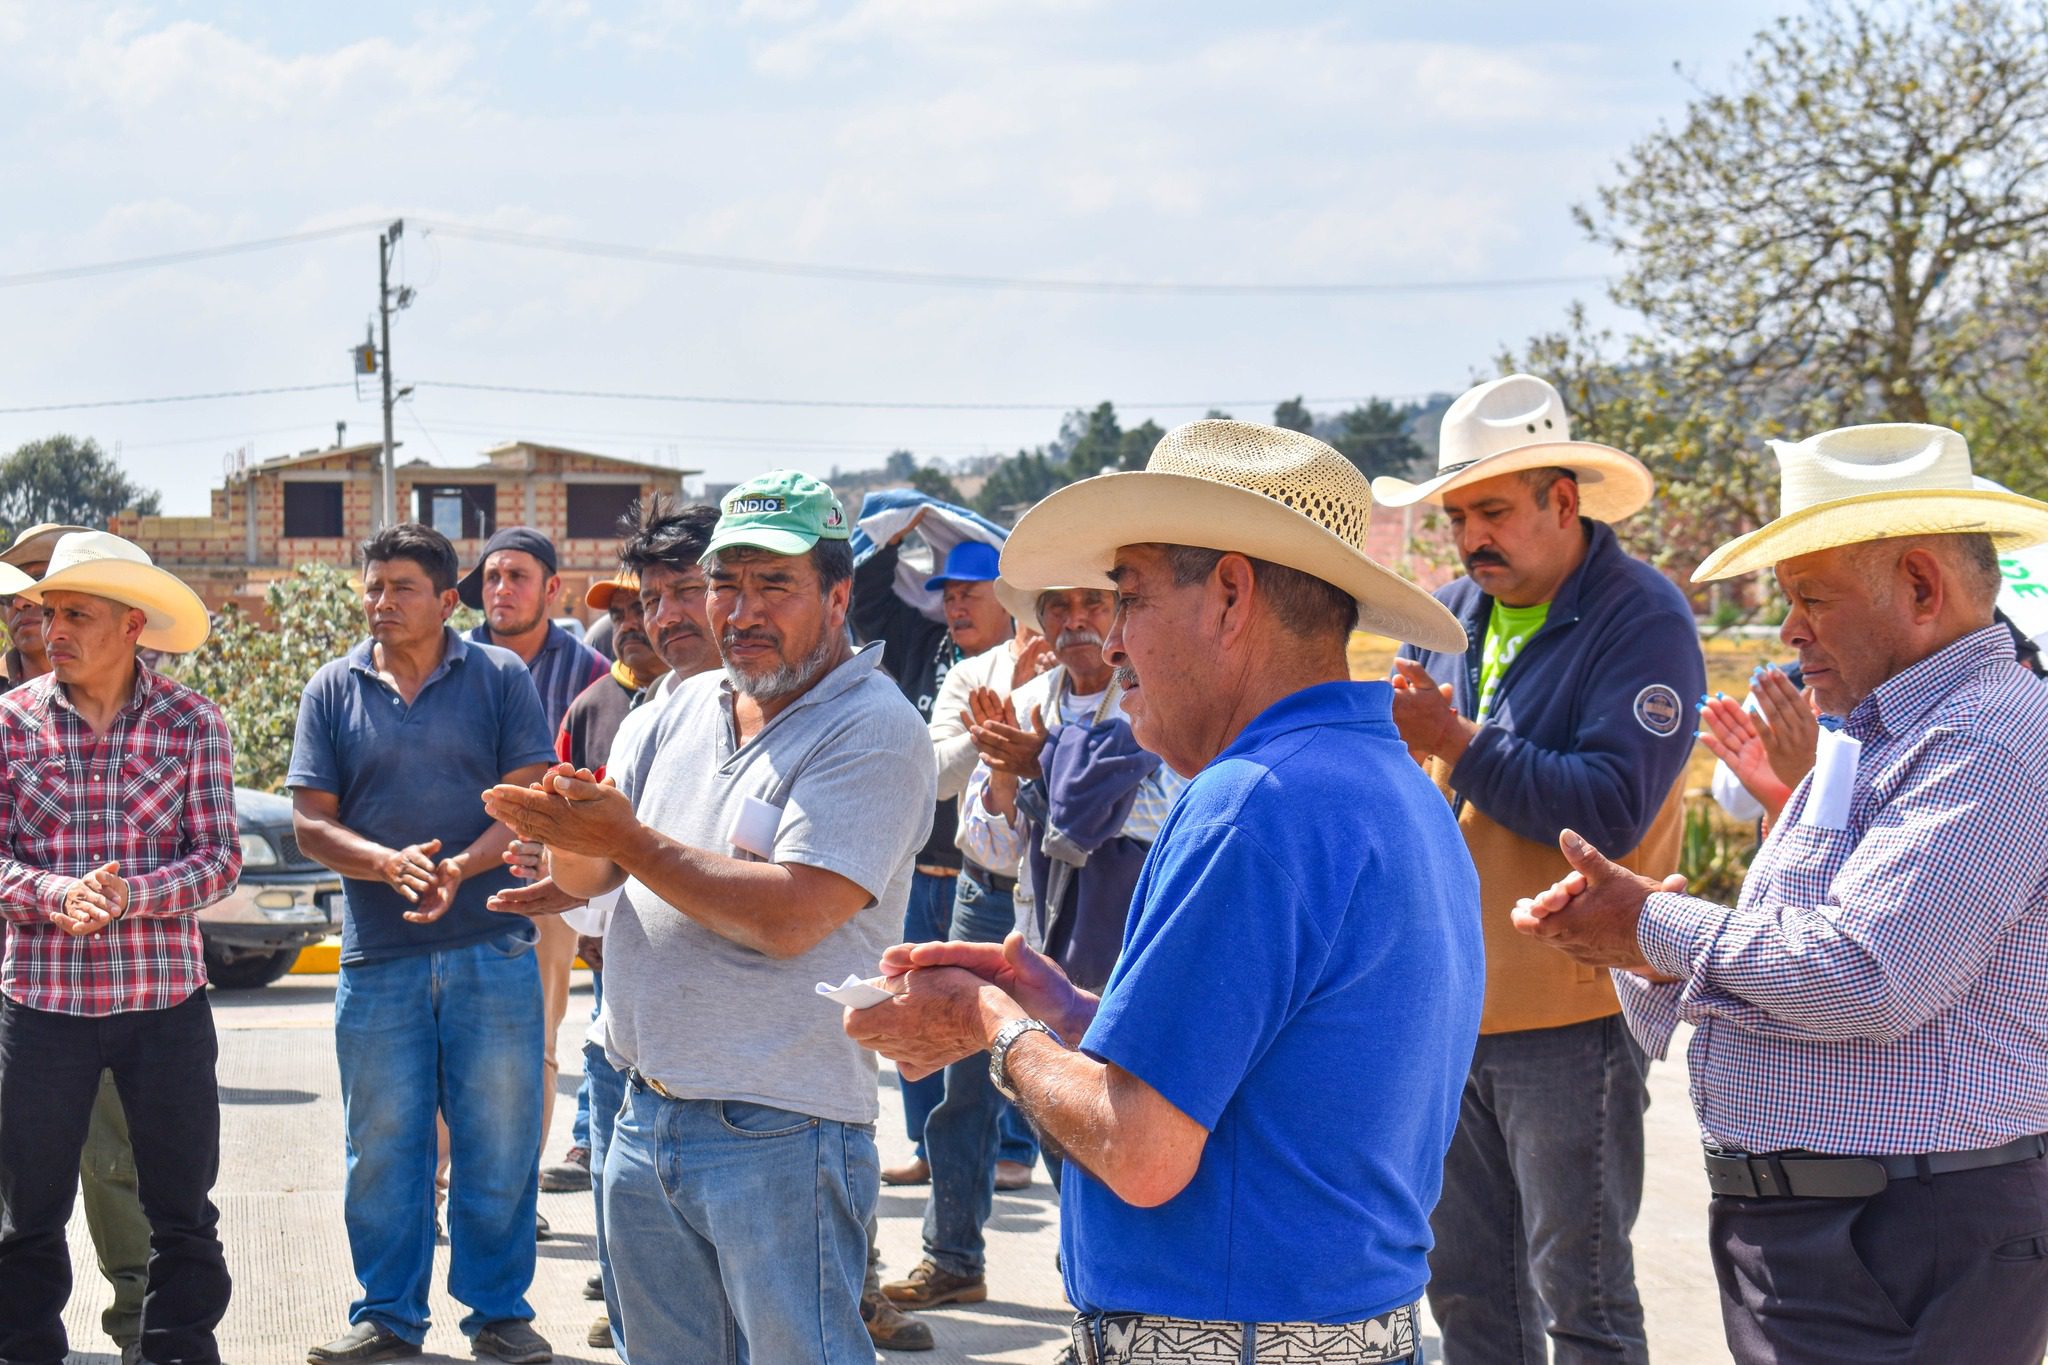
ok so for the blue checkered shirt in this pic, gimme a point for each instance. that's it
(562, 669)
(1881, 988)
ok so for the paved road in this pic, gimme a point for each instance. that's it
(280, 1201)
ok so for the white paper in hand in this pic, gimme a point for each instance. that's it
(1834, 781)
(856, 992)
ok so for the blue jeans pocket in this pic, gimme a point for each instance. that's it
(761, 1120)
(508, 945)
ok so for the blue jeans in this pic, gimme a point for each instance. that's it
(579, 1130)
(965, 1132)
(458, 1031)
(606, 1086)
(926, 917)
(1541, 1187)
(738, 1232)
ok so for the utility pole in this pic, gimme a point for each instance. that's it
(387, 483)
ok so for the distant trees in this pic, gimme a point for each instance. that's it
(66, 479)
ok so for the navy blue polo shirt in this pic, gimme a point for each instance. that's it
(1301, 975)
(407, 774)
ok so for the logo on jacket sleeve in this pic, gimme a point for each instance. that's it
(1657, 710)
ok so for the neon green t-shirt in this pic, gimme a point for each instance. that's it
(1507, 630)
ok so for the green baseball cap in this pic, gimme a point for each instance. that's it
(785, 512)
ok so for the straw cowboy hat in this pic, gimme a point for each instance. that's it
(1261, 491)
(1022, 604)
(1506, 426)
(36, 543)
(1853, 484)
(108, 566)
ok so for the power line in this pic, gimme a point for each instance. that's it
(176, 398)
(756, 265)
(866, 404)
(204, 253)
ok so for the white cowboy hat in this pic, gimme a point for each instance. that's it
(1022, 604)
(107, 566)
(1261, 491)
(1853, 484)
(37, 543)
(1506, 426)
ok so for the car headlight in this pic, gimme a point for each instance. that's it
(257, 851)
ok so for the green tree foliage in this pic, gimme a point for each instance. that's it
(900, 467)
(1294, 415)
(65, 479)
(1375, 437)
(1852, 230)
(933, 483)
(256, 671)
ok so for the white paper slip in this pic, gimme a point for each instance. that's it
(856, 992)
(1834, 781)
(753, 829)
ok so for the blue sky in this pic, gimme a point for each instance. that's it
(1040, 139)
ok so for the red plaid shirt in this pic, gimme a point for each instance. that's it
(154, 794)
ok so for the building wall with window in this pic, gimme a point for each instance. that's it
(317, 507)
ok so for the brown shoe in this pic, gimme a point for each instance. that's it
(928, 1287)
(916, 1171)
(1012, 1175)
(890, 1329)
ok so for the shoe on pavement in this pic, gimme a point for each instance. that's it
(928, 1287)
(916, 1171)
(891, 1329)
(514, 1342)
(541, 1230)
(593, 1288)
(600, 1334)
(366, 1340)
(1012, 1175)
(570, 1175)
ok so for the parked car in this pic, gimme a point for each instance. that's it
(283, 902)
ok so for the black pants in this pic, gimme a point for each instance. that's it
(163, 1065)
(1953, 1268)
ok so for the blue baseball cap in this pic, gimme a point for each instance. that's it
(970, 562)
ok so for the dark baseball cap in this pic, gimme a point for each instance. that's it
(471, 588)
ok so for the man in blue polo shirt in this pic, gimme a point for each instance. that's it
(1255, 1110)
(439, 1005)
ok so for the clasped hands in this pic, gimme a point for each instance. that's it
(1429, 724)
(955, 996)
(92, 902)
(1594, 912)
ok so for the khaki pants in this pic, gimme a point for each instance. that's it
(556, 954)
(113, 1213)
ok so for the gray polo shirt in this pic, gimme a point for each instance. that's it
(851, 766)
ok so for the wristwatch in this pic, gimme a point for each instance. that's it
(999, 1052)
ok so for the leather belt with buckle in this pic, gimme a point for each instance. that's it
(988, 880)
(1810, 1175)
(646, 1082)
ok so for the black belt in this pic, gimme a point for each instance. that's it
(988, 880)
(1807, 1175)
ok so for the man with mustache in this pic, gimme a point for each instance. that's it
(764, 834)
(113, 1211)
(662, 634)
(1066, 791)
(1570, 707)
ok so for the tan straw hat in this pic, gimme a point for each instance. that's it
(37, 543)
(1261, 491)
(107, 566)
(1507, 426)
(1854, 484)
(1023, 604)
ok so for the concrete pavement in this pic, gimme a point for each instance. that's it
(280, 1202)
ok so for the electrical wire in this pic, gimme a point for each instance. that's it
(204, 253)
(950, 280)
(866, 404)
(175, 398)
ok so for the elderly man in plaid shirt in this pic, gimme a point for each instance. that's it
(117, 822)
(1869, 1057)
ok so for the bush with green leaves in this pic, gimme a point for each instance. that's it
(256, 670)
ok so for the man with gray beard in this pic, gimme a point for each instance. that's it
(755, 862)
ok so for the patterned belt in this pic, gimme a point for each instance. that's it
(644, 1082)
(1144, 1339)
